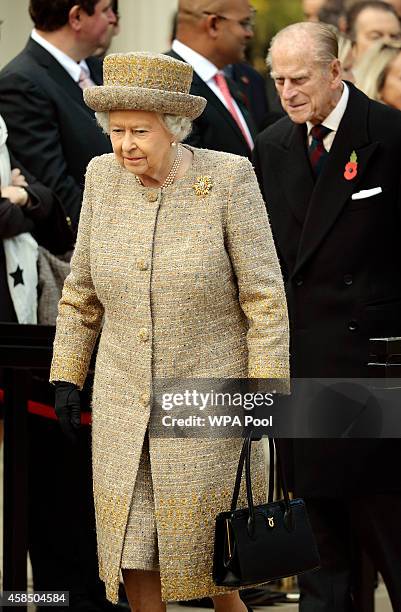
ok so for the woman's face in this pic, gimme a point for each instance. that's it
(391, 91)
(140, 141)
(348, 74)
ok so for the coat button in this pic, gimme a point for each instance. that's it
(145, 399)
(152, 196)
(353, 326)
(299, 281)
(348, 280)
(142, 264)
(143, 334)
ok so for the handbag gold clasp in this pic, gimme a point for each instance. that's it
(270, 520)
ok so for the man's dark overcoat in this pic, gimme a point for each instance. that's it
(341, 259)
(51, 130)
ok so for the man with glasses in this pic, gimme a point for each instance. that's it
(210, 36)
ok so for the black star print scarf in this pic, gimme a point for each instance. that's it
(21, 253)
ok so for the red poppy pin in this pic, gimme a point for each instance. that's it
(351, 168)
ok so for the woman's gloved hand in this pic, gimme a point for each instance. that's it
(68, 409)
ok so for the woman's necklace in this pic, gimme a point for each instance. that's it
(173, 171)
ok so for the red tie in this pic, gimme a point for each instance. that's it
(221, 82)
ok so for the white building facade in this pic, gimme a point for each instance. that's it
(145, 26)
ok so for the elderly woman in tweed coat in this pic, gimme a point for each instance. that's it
(176, 269)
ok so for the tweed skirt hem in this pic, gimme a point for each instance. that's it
(140, 550)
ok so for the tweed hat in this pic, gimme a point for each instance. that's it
(145, 81)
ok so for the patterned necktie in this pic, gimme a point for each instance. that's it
(221, 82)
(85, 80)
(317, 152)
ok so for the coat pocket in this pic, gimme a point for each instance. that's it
(383, 317)
(368, 202)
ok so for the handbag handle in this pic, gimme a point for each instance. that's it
(271, 471)
(238, 477)
(240, 468)
(245, 457)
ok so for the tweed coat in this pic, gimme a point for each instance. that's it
(188, 286)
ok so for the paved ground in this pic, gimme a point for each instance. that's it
(382, 605)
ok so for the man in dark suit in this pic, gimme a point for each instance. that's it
(330, 175)
(209, 40)
(253, 88)
(51, 130)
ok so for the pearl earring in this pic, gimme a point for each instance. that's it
(173, 144)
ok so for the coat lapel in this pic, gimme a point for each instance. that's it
(240, 99)
(332, 190)
(57, 73)
(95, 66)
(294, 171)
(201, 89)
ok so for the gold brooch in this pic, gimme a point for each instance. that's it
(203, 185)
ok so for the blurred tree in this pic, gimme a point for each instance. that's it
(271, 16)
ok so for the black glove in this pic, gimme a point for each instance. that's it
(68, 409)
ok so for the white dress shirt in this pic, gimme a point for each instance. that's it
(207, 71)
(71, 66)
(333, 120)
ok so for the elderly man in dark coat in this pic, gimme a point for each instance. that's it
(330, 174)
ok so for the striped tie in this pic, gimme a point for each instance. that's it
(317, 152)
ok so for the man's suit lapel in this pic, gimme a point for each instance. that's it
(56, 72)
(199, 88)
(332, 190)
(95, 66)
(294, 172)
(242, 104)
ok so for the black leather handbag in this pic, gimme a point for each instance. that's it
(262, 543)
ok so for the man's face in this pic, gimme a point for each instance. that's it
(234, 30)
(308, 91)
(372, 25)
(311, 9)
(94, 28)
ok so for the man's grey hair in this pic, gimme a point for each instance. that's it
(179, 127)
(323, 35)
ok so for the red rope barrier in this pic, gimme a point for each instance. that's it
(46, 411)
